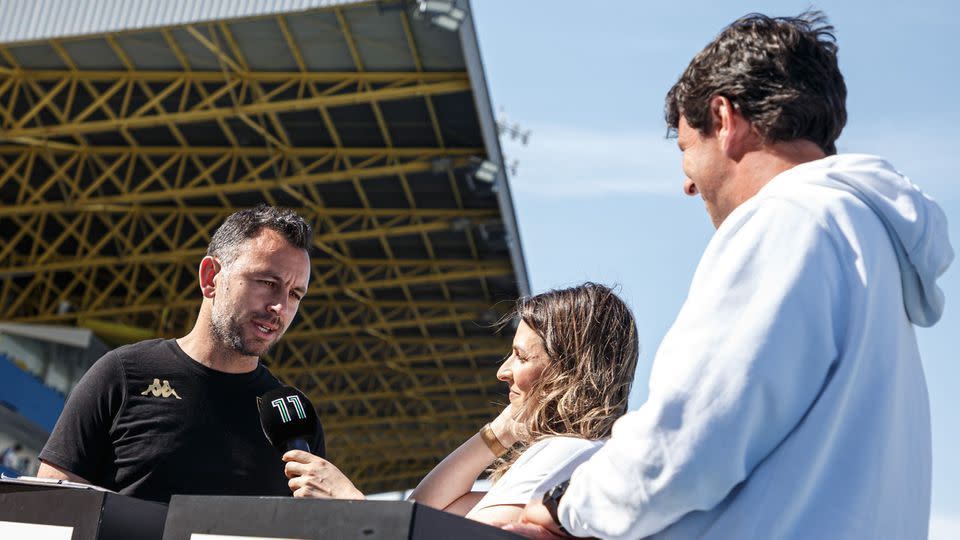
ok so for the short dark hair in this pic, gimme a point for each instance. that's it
(780, 73)
(247, 223)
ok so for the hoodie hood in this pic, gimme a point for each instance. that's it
(916, 224)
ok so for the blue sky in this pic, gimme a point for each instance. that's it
(597, 190)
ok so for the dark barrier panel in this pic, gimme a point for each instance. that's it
(282, 517)
(85, 514)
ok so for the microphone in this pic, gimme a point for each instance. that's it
(288, 419)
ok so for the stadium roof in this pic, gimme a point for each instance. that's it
(129, 130)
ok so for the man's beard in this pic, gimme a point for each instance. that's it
(229, 332)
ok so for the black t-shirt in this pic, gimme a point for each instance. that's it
(148, 421)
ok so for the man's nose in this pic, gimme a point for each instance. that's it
(277, 305)
(689, 187)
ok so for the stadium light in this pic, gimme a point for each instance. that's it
(482, 172)
(486, 172)
(443, 13)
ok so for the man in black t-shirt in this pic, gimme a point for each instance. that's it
(163, 417)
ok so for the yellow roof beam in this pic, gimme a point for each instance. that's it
(48, 75)
(192, 257)
(452, 416)
(443, 391)
(301, 333)
(206, 111)
(118, 333)
(41, 145)
(48, 310)
(45, 258)
(405, 362)
(115, 333)
(251, 183)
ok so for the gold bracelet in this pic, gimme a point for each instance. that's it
(492, 442)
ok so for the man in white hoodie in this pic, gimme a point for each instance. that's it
(788, 399)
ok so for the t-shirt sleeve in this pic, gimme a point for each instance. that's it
(80, 442)
(555, 457)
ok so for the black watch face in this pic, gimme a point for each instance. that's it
(557, 492)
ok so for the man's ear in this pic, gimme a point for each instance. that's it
(209, 270)
(732, 130)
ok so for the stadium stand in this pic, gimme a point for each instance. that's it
(129, 130)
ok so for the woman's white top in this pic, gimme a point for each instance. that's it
(551, 457)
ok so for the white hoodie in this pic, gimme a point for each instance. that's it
(788, 399)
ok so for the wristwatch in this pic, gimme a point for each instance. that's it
(551, 499)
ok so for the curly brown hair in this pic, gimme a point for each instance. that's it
(780, 73)
(590, 339)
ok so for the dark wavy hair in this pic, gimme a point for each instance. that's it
(780, 73)
(590, 339)
(245, 224)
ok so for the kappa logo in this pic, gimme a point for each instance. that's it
(160, 390)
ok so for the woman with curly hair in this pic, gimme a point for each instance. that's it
(569, 375)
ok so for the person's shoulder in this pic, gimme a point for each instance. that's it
(142, 355)
(265, 379)
(141, 347)
(839, 183)
(260, 380)
(136, 351)
(565, 443)
(792, 202)
(551, 458)
(558, 448)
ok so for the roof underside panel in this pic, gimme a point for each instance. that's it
(30, 20)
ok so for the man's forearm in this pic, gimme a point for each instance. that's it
(52, 471)
(454, 476)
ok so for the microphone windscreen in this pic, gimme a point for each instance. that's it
(287, 414)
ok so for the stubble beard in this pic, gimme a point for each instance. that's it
(230, 333)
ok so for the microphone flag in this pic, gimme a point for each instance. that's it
(288, 419)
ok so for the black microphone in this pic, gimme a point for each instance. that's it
(288, 419)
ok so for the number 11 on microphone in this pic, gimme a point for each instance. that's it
(284, 412)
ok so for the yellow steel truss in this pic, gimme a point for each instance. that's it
(108, 236)
(113, 181)
(144, 99)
